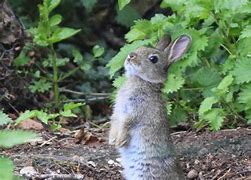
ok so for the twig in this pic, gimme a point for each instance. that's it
(56, 176)
(51, 139)
(86, 99)
(223, 176)
(84, 94)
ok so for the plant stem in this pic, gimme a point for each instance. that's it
(55, 76)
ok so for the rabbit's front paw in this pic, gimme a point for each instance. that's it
(112, 137)
(122, 139)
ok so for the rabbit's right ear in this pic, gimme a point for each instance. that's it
(178, 48)
(163, 42)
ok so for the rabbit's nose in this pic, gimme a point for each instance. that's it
(132, 56)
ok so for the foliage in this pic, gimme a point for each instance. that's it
(8, 139)
(213, 80)
(47, 117)
(46, 34)
(123, 3)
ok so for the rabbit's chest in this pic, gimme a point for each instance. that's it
(129, 102)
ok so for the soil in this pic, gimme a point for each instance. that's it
(203, 155)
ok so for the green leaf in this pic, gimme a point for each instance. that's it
(52, 4)
(123, 3)
(40, 86)
(4, 118)
(67, 113)
(55, 20)
(225, 83)
(6, 169)
(78, 58)
(207, 104)
(11, 138)
(173, 83)
(98, 51)
(21, 59)
(26, 115)
(127, 16)
(119, 81)
(242, 71)
(215, 118)
(45, 117)
(72, 105)
(62, 33)
(178, 115)
(245, 96)
(206, 77)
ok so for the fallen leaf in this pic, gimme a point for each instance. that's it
(31, 124)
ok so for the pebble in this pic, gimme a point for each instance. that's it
(28, 171)
(192, 174)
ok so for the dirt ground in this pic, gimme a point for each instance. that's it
(203, 155)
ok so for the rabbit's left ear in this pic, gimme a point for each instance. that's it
(178, 48)
(163, 42)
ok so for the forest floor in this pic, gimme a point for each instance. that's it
(85, 154)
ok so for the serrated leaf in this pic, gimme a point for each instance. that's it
(40, 86)
(61, 34)
(230, 5)
(119, 81)
(245, 96)
(72, 105)
(173, 84)
(246, 32)
(215, 118)
(178, 115)
(123, 3)
(4, 118)
(169, 107)
(45, 117)
(226, 82)
(135, 34)
(21, 59)
(242, 71)
(243, 47)
(10, 138)
(207, 104)
(67, 113)
(26, 115)
(206, 77)
(126, 16)
(6, 169)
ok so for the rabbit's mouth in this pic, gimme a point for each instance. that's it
(130, 67)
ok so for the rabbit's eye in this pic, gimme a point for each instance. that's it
(153, 58)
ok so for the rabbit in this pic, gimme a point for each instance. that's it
(139, 127)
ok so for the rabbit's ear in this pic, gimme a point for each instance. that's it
(163, 42)
(178, 48)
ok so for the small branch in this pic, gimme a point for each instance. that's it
(86, 99)
(56, 176)
(84, 94)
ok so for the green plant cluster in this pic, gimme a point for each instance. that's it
(213, 81)
(8, 139)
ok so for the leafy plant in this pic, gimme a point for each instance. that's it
(213, 80)
(8, 139)
(46, 34)
(47, 117)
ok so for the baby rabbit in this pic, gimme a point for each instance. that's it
(139, 126)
